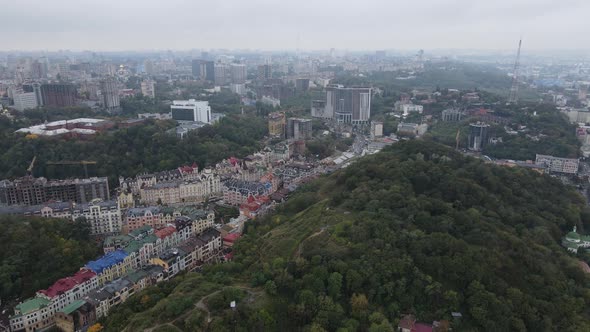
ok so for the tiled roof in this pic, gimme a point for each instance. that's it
(165, 232)
(32, 304)
(65, 284)
(107, 261)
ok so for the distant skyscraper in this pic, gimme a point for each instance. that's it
(478, 136)
(58, 95)
(238, 73)
(221, 73)
(348, 105)
(264, 72)
(302, 84)
(110, 94)
(299, 128)
(207, 70)
(196, 68)
(148, 67)
(148, 88)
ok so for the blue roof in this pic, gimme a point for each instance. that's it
(106, 261)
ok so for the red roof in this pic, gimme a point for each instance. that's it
(165, 232)
(233, 160)
(229, 256)
(65, 284)
(231, 237)
(421, 327)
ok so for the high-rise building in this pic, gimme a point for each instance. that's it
(238, 73)
(276, 124)
(191, 110)
(148, 67)
(221, 73)
(302, 84)
(207, 70)
(109, 90)
(148, 88)
(298, 128)
(25, 100)
(318, 110)
(58, 95)
(264, 72)
(196, 68)
(38, 70)
(478, 136)
(348, 105)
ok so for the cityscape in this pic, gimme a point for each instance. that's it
(302, 183)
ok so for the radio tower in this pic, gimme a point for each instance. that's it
(513, 98)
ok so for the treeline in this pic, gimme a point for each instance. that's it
(129, 151)
(36, 252)
(419, 229)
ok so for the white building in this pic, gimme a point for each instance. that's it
(238, 88)
(376, 129)
(179, 191)
(148, 88)
(103, 217)
(559, 165)
(25, 100)
(409, 108)
(268, 100)
(191, 110)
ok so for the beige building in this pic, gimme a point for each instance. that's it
(276, 124)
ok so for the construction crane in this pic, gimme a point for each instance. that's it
(513, 97)
(31, 165)
(84, 163)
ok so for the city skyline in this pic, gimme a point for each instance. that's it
(262, 24)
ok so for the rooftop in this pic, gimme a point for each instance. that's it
(31, 305)
(73, 307)
(107, 261)
(64, 284)
(165, 232)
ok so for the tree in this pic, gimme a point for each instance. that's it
(95, 328)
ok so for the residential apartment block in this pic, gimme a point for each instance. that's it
(559, 165)
(104, 217)
(33, 191)
(178, 192)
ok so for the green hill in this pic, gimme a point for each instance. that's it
(417, 228)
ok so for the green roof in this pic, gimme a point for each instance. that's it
(73, 307)
(136, 276)
(140, 230)
(116, 239)
(573, 236)
(32, 304)
(135, 245)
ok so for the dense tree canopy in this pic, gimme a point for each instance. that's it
(417, 228)
(134, 150)
(35, 252)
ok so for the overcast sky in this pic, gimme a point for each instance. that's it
(288, 24)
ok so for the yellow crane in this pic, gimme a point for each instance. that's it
(84, 163)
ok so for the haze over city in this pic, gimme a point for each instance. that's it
(113, 25)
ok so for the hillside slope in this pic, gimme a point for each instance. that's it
(418, 229)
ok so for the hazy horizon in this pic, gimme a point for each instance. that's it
(109, 25)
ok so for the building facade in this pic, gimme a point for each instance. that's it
(191, 110)
(348, 105)
(558, 165)
(59, 95)
(299, 129)
(35, 191)
(276, 124)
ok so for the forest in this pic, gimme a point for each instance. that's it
(130, 151)
(415, 229)
(35, 252)
(543, 130)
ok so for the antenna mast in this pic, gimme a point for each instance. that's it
(513, 98)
